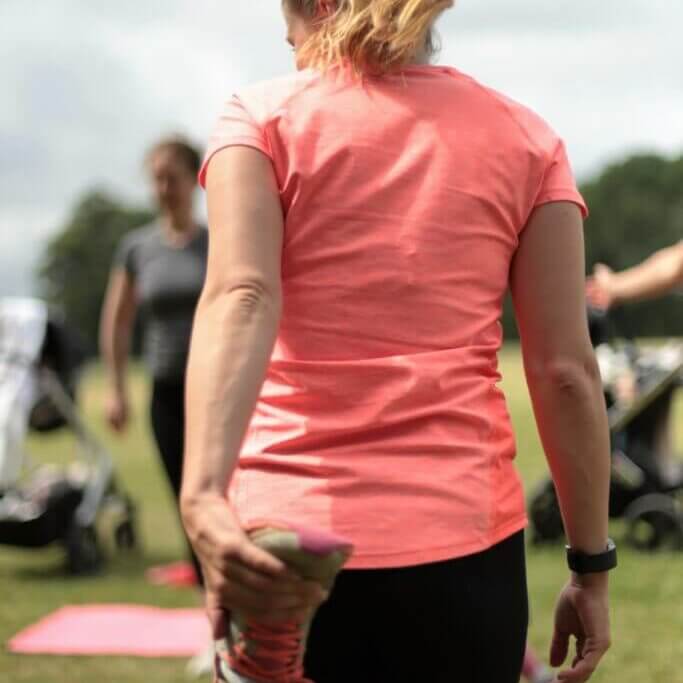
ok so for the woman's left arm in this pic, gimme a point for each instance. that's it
(234, 332)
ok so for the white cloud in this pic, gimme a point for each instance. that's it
(93, 84)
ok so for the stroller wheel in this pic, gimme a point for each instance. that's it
(654, 521)
(544, 511)
(126, 536)
(83, 552)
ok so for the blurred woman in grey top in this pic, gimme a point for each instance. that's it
(158, 272)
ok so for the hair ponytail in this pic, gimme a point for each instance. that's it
(373, 36)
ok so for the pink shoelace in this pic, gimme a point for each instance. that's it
(277, 658)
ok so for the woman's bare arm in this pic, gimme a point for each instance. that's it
(233, 336)
(547, 281)
(116, 324)
(237, 316)
(562, 374)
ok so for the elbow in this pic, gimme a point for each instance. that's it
(567, 374)
(255, 298)
(577, 376)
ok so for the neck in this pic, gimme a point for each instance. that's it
(179, 226)
(424, 54)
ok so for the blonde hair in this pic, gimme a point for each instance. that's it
(372, 36)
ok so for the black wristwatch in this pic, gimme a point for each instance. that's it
(583, 563)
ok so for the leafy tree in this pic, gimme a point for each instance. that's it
(75, 267)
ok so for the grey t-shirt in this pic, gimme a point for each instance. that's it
(168, 281)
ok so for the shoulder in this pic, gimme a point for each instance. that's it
(133, 243)
(264, 99)
(537, 131)
(141, 236)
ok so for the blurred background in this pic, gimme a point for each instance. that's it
(89, 86)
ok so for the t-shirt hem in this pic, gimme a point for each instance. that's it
(413, 558)
(245, 140)
(563, 196)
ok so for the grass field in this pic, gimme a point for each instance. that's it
(647, 591)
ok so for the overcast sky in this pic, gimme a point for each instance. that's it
(87, 85)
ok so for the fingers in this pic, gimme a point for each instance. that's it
(263, 583)
(226, 548)
(589, 652)
(117, 418)
(218, 616)
(260, 561)
(242, 589)
(583, 669)
(239, 575)
(559, 647)
(601, 269)
(580, 643)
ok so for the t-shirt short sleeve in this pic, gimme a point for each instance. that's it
(558, 182)
(235, 126)
(125, 254)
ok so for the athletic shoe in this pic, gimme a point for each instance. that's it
(274, 653)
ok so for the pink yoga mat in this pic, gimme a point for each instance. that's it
(116, 630)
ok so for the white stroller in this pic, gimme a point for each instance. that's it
(40, 361)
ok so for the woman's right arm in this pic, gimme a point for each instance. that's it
(547, 283)
(116, 324)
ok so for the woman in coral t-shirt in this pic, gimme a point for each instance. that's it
(367, 216)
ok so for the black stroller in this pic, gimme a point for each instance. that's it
(647, 482)
(40, 359)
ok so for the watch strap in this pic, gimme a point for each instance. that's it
(584, 563)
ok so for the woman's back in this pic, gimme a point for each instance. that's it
(403, 197)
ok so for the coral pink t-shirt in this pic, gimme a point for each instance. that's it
(404, 198)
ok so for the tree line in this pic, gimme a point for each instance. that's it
(636, 207)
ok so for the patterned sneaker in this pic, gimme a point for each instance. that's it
(274, 653)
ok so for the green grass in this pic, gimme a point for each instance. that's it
(647, 591)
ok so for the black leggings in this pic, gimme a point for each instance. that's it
(462, 620)
(168, 425)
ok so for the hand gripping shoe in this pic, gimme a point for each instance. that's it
(274, 653)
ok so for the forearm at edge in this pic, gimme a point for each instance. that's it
(114, 348)
(232, 341)
(656, 276)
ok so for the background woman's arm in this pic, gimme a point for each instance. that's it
(655, 276)
(116, 324)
